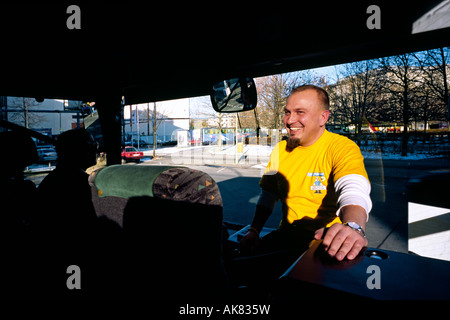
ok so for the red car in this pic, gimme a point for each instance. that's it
(130, 153)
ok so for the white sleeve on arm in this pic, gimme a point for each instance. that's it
(267, 199)
(353, 189)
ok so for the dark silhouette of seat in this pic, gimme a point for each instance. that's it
(169, 222)
(17, 201)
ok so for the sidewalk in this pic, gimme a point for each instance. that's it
(259, 153)
(211, 155)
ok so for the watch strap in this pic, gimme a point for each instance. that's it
(355, 227)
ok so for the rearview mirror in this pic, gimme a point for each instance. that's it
(234, 95)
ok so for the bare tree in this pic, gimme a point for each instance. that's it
(354, 96)
(249, 119)
(402, 82)
(27, 117)
(217, 118)
(155, 126)
(152, 117)
(272, 93)
(434, 68)
(155, 118)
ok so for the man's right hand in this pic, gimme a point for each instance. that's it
(250, 242)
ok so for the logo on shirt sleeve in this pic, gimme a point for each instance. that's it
(317, 185)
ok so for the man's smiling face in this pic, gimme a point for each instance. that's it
(304, 117)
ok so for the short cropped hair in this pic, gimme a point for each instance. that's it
(72, 143)
(323, 95)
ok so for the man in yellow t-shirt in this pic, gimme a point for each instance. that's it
(321, 181)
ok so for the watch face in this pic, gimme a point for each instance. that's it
(353, 225)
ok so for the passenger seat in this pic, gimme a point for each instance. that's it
(163, 227)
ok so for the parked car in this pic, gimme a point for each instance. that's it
(47, 154)
(195, 142)
(130, 153)
(169, 143)
(142, 143)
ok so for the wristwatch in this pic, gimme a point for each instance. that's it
(355, 227)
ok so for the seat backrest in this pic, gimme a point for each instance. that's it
(174, 247)
(171, 222)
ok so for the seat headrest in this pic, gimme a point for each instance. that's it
(127, 181)
(165, 182)
(187, 185)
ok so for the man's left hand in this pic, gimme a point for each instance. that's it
(341, 241)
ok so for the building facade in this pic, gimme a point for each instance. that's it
(51, 116)
(165, 117)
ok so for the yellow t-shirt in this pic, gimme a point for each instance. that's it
(304, 178)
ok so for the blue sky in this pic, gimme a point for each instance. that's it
(329, 72)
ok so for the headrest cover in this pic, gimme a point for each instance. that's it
(127, 181)
(187, 185)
